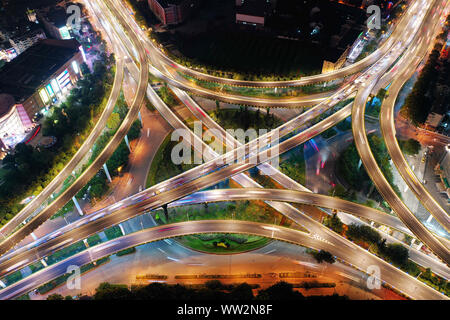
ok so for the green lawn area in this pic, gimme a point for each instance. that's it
(294, 166)
(162, 166)
(126, 251)
(36, 266)
(239, 210)
(93, 240)
(62, 279)
(13, 277)
(65, 252)
(223, 243)
(261, 92)
(113, 232)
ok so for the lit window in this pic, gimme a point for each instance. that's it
(50, 90)
(44, 96)
(55, 85)
(75, 67)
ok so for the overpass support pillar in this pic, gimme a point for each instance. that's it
(44, 263)
(127, 142)
(140, 117)
(75, 201)
(166, 212)
(121, 229)
(430, 218)
(105, 168)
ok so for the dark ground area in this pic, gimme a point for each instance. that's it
(211, 37)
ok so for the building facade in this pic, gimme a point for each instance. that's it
(22, 43)
(43, 74)
(171, 12)
(15, 123)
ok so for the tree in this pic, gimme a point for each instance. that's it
(323, 255)
(280, 291)
(113, 121)
(334, 223)
(381, 93)
(55, 296)
(397, 253)
(118, 159)
(365, 233)
(410, 146)
(214, 285)
(106, 291)
(242, 292)
(135, 130)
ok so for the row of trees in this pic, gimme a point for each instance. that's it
(28, 170)
(213, 290)
(394, 252)
(353, 172)
(245, 118)
(410, 146)
(323, 256)
(432, 90)
(98, 185)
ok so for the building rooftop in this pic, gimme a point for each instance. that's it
(24, 75)
(434, 119)
(57, 16)
(253, 8)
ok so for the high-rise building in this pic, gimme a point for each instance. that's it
(23, 42)
(172, 11)
(16, 39)
(252, 12)
(42, 74)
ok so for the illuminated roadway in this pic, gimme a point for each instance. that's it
(241, 168)
(388, 130)
(76, 159)
(376, 175)
(84, 178)
(45, 246)
(399, 30)
(389, 274)
(98, 221)
(187, 85)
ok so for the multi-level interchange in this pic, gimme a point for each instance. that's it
(394, 62)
